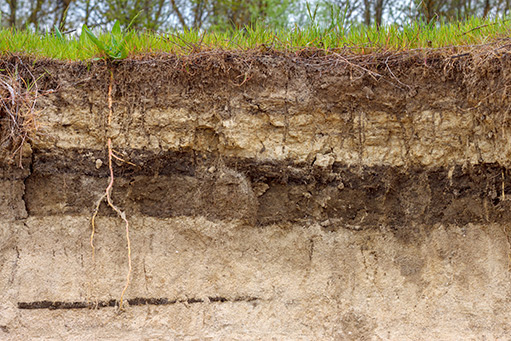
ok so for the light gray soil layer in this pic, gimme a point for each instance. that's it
(233, 281)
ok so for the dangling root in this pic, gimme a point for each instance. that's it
(121, 159)
(107, 196)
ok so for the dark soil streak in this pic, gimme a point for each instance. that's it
(138, 301)
(182, 184)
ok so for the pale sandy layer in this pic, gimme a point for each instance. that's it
(435, 282)
(431, 129)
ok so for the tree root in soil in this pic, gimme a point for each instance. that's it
(108, 197)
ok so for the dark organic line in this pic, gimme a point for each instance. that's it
(138, 301)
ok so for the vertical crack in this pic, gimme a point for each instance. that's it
(361, 137)
(286, 115)
(311, 249)
(24, 197)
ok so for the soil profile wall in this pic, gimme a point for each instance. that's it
(269, 195)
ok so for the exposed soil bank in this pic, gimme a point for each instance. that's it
(356, 197)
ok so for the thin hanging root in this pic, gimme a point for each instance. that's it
(120, 213)
(123, 217)
(108, 197)
(503, 186)
(121, 159)
(110, 101)
(96, 210)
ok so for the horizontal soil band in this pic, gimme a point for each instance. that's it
(132, 302)
(190, 184)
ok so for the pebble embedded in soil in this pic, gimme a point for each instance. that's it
(99, 163)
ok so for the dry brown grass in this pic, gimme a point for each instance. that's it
(19, 93)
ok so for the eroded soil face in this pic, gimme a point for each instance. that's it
(355, 197)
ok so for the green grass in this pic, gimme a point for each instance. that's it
(357, 38)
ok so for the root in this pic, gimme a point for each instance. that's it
(121, 159)
(18, 100)
(122, 215)
(108, 196)
(94, 225)
(503, 195)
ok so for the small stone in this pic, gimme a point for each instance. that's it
(211, 169)
(99, 163)
(324, 160)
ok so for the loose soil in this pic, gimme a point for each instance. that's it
(270, 195)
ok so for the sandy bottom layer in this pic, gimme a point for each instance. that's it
(227, 280)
